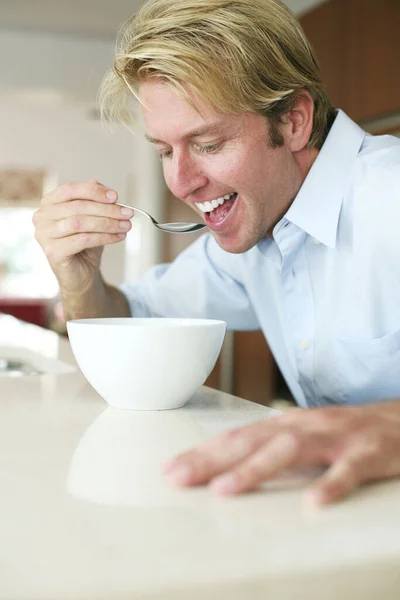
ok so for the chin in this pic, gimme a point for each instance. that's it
(234, 245)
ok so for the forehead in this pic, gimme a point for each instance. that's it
(168, 115)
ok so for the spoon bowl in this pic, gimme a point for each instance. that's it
(168, 227)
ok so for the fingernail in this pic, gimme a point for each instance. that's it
(125, 225)
(111, 195)
(127, 212)
(180, 474)
(315, 497)
(225, 484)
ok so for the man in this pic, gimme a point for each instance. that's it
(303, 210)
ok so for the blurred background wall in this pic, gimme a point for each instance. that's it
(53, 54)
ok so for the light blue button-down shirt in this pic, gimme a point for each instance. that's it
(325, 290)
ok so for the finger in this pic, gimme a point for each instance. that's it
(280, 453)
(56, 212)
(63, 248)
(344, 476)
(84, 224)
(86, 190)
(44, 218)
(219, 454)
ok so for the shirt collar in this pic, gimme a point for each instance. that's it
(316, 208)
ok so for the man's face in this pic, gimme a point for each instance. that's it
(209, 156)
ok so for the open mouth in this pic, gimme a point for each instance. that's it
(216, 212)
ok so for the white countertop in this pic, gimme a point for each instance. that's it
(86, 515)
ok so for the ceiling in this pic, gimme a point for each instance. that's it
(94, 18)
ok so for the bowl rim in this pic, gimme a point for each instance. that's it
(167, 322)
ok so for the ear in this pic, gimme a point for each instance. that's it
(299, 122)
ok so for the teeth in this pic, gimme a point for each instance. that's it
(211, 204)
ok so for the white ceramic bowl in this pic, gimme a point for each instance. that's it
(146, 364)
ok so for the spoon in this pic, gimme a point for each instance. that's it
(169, 227)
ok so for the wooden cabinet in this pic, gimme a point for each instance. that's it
(255, 371)
(357, 45)
(375, 57)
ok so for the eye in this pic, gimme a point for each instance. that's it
(165, 154)
(208, 149)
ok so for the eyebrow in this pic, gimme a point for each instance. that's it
(206, 129)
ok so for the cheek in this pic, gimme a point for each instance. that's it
(245, 174)
(228, 170)
(259, 171)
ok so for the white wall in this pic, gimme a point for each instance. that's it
(74, 66)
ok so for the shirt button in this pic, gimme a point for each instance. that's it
(304, 344)
(315, 241)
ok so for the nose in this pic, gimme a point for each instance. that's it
(183, 174)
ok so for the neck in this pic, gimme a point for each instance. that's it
(305, 160)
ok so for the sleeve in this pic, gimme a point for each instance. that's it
(203, 282)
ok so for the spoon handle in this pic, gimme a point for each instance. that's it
(137, 210)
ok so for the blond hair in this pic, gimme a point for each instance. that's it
(238, 55)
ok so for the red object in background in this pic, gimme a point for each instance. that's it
(31, 310)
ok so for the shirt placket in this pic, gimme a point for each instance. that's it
(298, 304)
